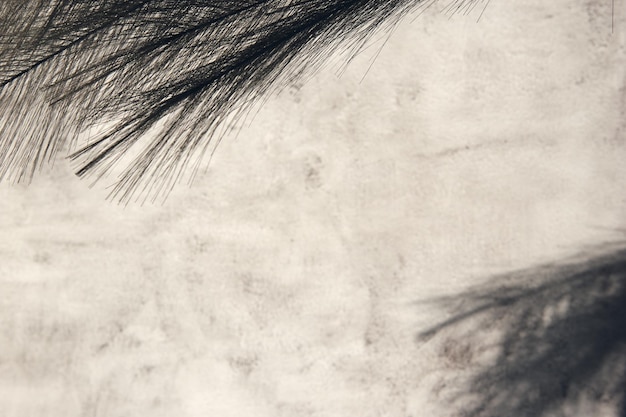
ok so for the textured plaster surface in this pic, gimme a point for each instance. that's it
(284, 281)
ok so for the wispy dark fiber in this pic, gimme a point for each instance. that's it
(563, 338)
(150, 86)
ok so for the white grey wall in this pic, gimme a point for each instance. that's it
(284, 281)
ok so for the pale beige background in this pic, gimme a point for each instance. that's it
(283, 283)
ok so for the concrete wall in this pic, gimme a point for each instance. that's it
(290, 279)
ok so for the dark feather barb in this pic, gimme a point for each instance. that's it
(157, 79)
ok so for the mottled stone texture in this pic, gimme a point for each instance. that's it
(291, 278)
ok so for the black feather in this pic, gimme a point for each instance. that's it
(157, 80)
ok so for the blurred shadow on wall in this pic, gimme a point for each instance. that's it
(547, 341)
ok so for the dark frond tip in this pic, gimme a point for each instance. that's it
(163, 76)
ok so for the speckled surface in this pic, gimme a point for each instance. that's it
(284, 281)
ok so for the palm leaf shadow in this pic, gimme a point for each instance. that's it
(561, 341)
